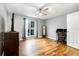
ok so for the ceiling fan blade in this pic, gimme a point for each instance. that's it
(45, 9)
(44, 13)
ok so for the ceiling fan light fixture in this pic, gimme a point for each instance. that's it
(40, 14)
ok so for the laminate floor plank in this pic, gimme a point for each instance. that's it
(45, 47)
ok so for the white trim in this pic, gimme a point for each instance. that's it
(70, 44)
(39, 36)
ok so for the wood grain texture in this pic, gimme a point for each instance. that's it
(45, 47)
(11, 44)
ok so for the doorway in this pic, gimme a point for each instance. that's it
(30, 28)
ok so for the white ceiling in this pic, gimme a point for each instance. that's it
(31, 9)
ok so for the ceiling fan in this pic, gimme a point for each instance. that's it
(42, 11)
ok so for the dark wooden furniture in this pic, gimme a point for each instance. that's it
(61, 35)
(1, 43)
(11, 44)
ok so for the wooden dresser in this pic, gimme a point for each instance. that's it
(11, 44)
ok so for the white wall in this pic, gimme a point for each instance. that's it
(73, 29)
(3, 13)
(3, 18)
(55, 23)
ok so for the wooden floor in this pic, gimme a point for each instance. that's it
(45, 47)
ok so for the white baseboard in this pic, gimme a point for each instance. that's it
(39, 36)
(73, 45)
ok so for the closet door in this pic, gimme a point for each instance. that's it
(73, 30)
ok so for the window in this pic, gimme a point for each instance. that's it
(32, 31)
(32, 24)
